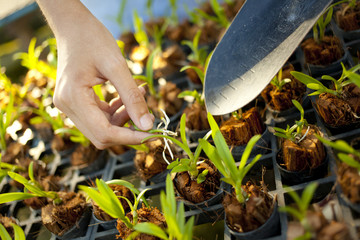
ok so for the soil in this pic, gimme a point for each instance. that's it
(58, 219)
(340, 111)
(348, 18)
(307, 154)
(145, 214)
(320, 227)
(15, 151)
(328, 51)
(6, 222)
(119, 190)
(48, 183)
(44, 130)
(129, 41)
(191, 73)
(84, 156)
(250, 215)
(168, 100)
(281, 100)
(349, 180)
(169, 63)
(60, 144)
(238, 132)
(191, 191)
(179, 32)
(196, 117)
(152, 163)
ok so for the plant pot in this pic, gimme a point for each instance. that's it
(160, 177)
(79, 228)
(270, 228)
(276, 114)
(124, 157)
(106, 225)
(94, 166)
(293, 177)
(195, 135)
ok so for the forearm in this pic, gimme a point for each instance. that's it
(64, 16)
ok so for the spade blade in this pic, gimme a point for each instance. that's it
(260, 39)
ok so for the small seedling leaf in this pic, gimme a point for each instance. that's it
(151, 229)
(4, 234)
(18, 232)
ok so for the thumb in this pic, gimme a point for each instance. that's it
(130, 95)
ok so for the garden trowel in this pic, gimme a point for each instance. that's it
(258, 42)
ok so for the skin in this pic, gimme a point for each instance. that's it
(88, 55)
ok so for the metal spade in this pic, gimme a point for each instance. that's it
(259, 41)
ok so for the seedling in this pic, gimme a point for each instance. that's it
(176, 228)
(18, 233)
(149, 77)
(185, 164)
(31, 60)
(5, 167)
(32, 188)
(223, 160)
(75, 135)
(107, 200)
(140, 33)
(303, 204)
(174, 17)
(199, 97)
(200, 72)
(8, 115)
(294, 133)
(220, 16)
(278, 81)
(347, 153)
(347, 77)
(199, 54)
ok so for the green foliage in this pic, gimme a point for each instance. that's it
(290, 133)
(199, 54)
(199, 71)
(75, 135)
(176, 228)
(347, 153)
(107, 200)
(302, 204)
(174, 18)
(31, 189)
(220, 16)
(347, 77)
(8, 115)
(149, 77)
(199, 97)
(278, 81)
(159, 33)
(140, 32)
(31, 60)
(223, 160)
(149, 4)
(320, 26)
(185, 164)
(18, 233)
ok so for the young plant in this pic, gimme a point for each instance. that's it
(347, 153)
(278, 81)
(8, 114)
(140, 33)
(75, 135)
(294, 133)
(199, 54)
(174, 19)
(303, 204)
(18, 233)
(199, 97)
(223, 160)
(176, 228)
(347, 77)
(200, 72)
(32, 188)
(220, 16)
(185, 164)
(149, 74)
(107, 200)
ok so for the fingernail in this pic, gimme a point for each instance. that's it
(146, 121)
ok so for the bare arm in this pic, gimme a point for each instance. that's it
(88, 55)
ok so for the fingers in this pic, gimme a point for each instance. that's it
(119, 75)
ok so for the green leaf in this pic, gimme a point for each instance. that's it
(250, 145)
(202, 176)
(213, 156)
(15, 196)
(305, 79)
(151, 229)
(4, 235)
(307, 196)
(36, 120)
(349, 161)
(182, 131)
(98, 92)
(173, 164)
(180, 168)
(34, 189)
(31, 172)
(18, 232)
(198, 71)
(125, 184)
(291, 211)
(299, 107)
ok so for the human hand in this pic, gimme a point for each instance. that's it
(88, 55)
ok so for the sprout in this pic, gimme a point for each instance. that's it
(278, 81)
(223, 160)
